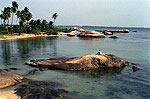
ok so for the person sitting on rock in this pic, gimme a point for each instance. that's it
(99, 52)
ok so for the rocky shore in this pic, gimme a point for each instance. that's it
(29, 89)
(87, 62)
(8, 79)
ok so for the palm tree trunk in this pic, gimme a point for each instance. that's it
(12, 19)
(1, 21)
(8, 22)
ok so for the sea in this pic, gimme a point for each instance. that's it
(121, 83)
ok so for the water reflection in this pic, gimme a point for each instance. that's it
(90, 38)
(6, 51)
(13, 52)
(95, 73)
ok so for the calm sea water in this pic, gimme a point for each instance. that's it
(112, 84)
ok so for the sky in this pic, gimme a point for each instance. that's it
(120, 13)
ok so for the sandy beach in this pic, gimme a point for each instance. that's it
(22, 36)
(8, 95)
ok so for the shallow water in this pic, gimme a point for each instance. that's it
(112, 84)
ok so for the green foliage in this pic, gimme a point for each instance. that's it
(35, 31)
(51, 32)
(25, 25)
(15, 29)
(63, 30)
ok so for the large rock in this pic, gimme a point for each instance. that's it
(120, 31)
(9, 79)
(108, 33)
(90, 34)
(76, 29)
(72, 33)
(87, 62)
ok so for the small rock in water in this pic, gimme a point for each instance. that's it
(5, 69)
(43, 69)
(13, 68)
(134, 68)
(115, 37)
(32, 72)
(134, 31)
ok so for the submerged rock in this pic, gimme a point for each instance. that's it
(134, 68)
(9, 79)
(87, 62)
(90, 34)
(13, 68)
(115, 37)
(40, 90)
(43, 69)
(32, 72)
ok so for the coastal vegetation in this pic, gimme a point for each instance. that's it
(25, 23)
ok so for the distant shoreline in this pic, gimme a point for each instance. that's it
(101, 26)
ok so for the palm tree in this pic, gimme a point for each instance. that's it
(51, 24)
(1, 16)
(18, 16)
(43, 24)
(28, 17)
(55, 15)
(14, 9)
(6, 14)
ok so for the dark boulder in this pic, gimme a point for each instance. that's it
(13, 68)
(134, 68)
(40, 90)
(115, 37)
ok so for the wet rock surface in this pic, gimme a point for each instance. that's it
(32, 72)
(40, 90)
(87, 62)
(119, 31)
(91, 34)
(8, 79)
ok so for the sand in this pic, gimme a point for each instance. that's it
(22, 36)
(8, 95)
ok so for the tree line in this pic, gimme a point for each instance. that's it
(26, 23)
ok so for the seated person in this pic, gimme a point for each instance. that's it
(99, 52)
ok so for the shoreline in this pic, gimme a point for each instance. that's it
(9, 94)
(24, 36)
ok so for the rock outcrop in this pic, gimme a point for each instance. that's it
(108, 33)
(87, 62)
(76, 29)
(9, 79)
(72, 33)
(90, 34)
(120, 31)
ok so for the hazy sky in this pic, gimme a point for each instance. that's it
(89, 12)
